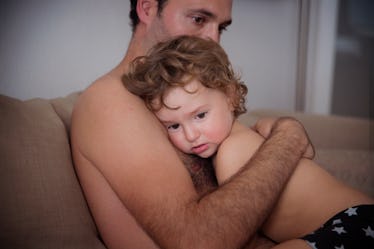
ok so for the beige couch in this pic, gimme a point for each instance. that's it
(42, 205)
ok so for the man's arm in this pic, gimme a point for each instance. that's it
(260, 242)
(254, 191)
(264, 127)
(114, 133)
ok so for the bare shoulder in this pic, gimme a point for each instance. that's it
(242, 140)
(113, 132)
(104, 111)
(116, 132)
(244, 133)
(236, 150)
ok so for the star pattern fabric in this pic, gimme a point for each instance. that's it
(369, 232)
(351, 211)
(339, 230)
(352, 228)
(312, 245)
(337, 221)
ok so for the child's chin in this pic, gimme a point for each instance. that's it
(205, 155)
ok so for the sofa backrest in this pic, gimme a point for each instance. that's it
(344, 145)
(42, 204)
(327, 131)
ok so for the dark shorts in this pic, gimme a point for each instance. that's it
(352, 228)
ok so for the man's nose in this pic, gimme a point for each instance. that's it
(191, 132)
(213, 33)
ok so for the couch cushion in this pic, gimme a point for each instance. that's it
(42, 205)
(353, 167)
(64, 107)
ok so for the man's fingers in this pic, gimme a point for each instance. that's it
(310, 152)
(264, 126)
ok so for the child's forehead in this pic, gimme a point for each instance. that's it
(193, 85)
(181, 97)
(189, 85)
(181, 94)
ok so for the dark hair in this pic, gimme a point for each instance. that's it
(134, 18)
(175, 63)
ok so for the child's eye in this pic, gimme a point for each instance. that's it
(201, 115)
(173, 127)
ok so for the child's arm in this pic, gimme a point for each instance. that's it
(235, 151)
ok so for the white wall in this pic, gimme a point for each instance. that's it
(321, 55)
(262, 43)
(52, 48)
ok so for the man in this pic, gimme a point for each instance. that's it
(141, 195)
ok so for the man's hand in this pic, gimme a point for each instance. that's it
(259, 242)
(265, 127)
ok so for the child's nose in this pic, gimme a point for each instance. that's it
(191, 133)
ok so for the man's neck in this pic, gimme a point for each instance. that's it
(135, 48)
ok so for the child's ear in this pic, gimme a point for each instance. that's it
(230, 95)
(147, 10)
(231, 104)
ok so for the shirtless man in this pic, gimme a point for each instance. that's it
(138, 190)
(189, 84)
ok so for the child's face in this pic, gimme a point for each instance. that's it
(202, 120)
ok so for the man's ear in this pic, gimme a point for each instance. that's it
(147, 10)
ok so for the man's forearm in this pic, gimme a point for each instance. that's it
(231, 215)
(241, 205)
(259, 242)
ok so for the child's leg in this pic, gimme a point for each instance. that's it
(293, 244)
(351, 228)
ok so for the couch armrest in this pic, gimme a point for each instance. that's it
(42, 204)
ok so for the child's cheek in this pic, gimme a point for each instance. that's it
(178, 142)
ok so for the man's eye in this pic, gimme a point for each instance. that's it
(198, 19)
(173, 127)
(201, 115)
(222, 28)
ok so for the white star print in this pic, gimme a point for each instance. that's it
(369, 232)
(340, 247)
(312, 244)
(339, 230)
(337, 221)
(351, 211)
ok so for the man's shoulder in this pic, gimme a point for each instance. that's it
(107, 119)
(106, 106)
(104, 85)
(106, 94)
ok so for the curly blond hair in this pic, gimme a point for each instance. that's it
(175, 63)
